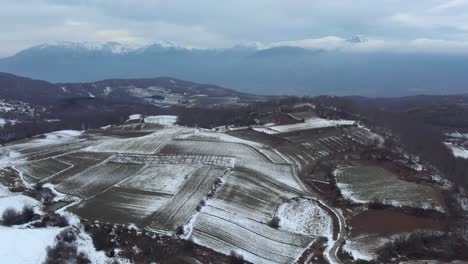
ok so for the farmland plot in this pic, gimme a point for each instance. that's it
(223, 137)
(365, 184)
(214, 148)
(160, 178)
(121, 205)
(180, 209)
(252, 195)
(280, 172)
(256, 242)
(97, 179)
(39, 170)
(140, 145)
(80, 162)
(49, 151)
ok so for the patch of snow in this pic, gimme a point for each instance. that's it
(64, 89)
(4, 121)
(107, 90)
(91, 95)
(355, 252)
(134, 117)
(17, 202)
(165, 120)
(457, 151)
(26, 246)
(8, 157)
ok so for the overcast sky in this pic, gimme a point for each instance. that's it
(411, 25)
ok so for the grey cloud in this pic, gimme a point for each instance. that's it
(214, 23)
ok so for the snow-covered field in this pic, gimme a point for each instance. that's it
(16, 201)
(308, 124)
(160, 178)
(25, 246)
(258, 243)
(140, 145)
(366, 184)
(97, 179)
(164, 120)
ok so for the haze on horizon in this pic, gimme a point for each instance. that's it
(388, 25)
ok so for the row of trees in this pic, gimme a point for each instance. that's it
(420, 138)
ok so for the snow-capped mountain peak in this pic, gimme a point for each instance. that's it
(112, 47)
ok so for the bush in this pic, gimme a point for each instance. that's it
(236, 258)
(61, 221)
(27, 214)
(274, 222)
(65, 251)
(10, 217)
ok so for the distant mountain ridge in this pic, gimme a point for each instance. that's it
(161, 91)
(276, 70)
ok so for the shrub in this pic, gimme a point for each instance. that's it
(65, 251)
(236, 258)
(61, 221)
(27, 214)
(274, 222)
(10, 217)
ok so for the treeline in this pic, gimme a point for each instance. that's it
(421, 138)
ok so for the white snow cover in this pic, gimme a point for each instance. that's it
(457, 150)
(165, 120)
(25, 246)
(4, 121)
(134, 117)
(356, 252)
(16, 201)
(304, 216)
(308, 124)
(7, 157)
(62, 134)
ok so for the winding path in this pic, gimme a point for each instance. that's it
(331, 252)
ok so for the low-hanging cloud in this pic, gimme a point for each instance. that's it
(387, 25)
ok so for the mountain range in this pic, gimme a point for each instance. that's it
(278, 70)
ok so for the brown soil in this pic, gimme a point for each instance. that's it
(389, 222)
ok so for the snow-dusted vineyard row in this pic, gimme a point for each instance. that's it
(122, 206)
(239, 151)
(141, 145)
(39, 170)
(366, 184)
(175, 159)
(258, 243)
(182, 206)
(280, 172)
(160, 178)
(97, 179)
(252, 195)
